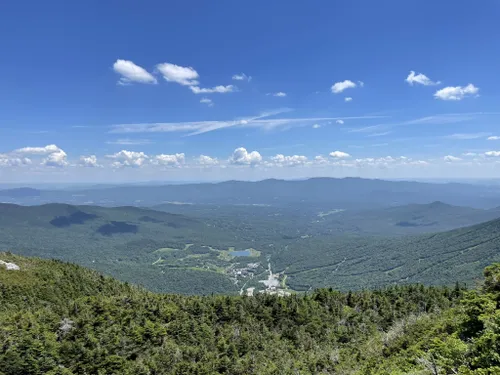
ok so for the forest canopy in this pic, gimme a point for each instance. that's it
(59, 318)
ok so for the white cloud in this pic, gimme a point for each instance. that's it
(55, 159)
(89, 161)
(132, 73)
(340, 122)
(242, 157)
(49, 149)
(126, 158)
(128, 142)
(386, 162)
(494, 138)
(348, 99)
(169, 160)
(469, 154)
(185, 76)
(217, 89)
(338, 87)
(492, 153)
(456, 92)
(320, 159)
(207, 160)
(242, 77)
(288, 161)
(280, 94)
(418, 162)
(316, 126)
(207, 101)
(7, 161)
(421, 79)
(464, 136)
(339, 155)
(451, 158)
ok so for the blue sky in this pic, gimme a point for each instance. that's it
(195, 90)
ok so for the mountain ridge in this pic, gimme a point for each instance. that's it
(347, 192)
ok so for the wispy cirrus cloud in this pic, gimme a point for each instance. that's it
(241, 77)
(366, 129)
(465, 136)
(207, 101)
(265, 120)
(440, 119)
(379, 134)
(128, 142)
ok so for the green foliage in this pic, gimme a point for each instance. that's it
(58, 318)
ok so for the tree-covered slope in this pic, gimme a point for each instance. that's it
(407, 219)
(82, 323)
(231, 253)
(50, 283)
(120, 241)
(352, 263)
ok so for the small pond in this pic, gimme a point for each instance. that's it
(240, 253)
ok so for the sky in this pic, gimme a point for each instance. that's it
(123, 91)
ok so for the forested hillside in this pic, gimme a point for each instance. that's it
(353, 263)
(247, 250)
(57, 318)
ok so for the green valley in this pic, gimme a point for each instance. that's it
(248, 250)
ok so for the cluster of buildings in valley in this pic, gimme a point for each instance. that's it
(272, 283)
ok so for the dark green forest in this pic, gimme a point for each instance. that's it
(199, 251)
(59, 318)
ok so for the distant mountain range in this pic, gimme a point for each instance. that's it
(346, 193)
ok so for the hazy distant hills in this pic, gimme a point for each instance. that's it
(347, 193)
